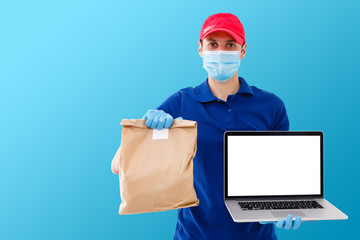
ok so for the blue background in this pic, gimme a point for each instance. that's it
(71, 70)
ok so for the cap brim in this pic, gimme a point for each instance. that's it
(237, 38)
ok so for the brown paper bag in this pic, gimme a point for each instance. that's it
(156, 168)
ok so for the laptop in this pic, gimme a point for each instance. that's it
(270, 174)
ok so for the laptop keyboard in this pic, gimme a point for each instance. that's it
(269, 205)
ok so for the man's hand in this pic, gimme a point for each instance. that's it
(287, 223)
(158, 119)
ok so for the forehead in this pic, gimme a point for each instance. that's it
(219, 36)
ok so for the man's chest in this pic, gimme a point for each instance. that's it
(222, 116)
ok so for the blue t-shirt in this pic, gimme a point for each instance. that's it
(249, 109)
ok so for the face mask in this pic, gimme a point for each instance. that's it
(221, 65)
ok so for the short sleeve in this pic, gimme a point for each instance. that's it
(172, 105)
(281, 121)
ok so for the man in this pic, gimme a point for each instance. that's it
(223, 102)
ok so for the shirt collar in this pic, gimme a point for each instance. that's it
(204, 94)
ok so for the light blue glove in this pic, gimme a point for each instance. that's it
(288, 223)
(158, 119)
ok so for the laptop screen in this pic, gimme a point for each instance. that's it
(274, 165)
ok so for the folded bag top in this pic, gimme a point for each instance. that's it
(141, 123)
(156, 166)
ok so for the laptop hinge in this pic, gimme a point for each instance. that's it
(275, 198)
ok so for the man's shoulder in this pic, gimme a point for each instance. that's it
(181, 93)
(269, 96)
(186, 91)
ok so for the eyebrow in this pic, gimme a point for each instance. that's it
(214, 40)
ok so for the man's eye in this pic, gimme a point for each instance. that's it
(212, 44)
(231, 45)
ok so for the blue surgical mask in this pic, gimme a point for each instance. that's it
(221, 65)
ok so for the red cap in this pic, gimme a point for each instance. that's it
(225, 22)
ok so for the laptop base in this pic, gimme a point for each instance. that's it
(328, 212)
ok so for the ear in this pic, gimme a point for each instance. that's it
(200, 49)
(243, 51)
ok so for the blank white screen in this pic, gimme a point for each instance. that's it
(273, 165)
